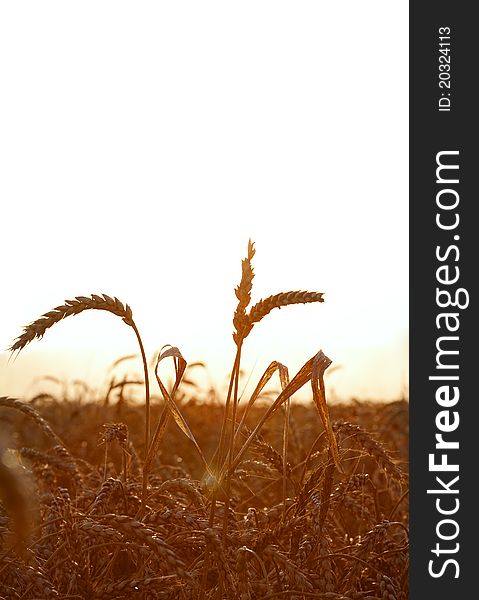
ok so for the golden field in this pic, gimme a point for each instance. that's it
(193, 495)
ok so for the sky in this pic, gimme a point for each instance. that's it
(143, 144)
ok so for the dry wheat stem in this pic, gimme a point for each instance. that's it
(231, 445)
(269, 372)
(37, 329)
(319, 398)
(219, 453)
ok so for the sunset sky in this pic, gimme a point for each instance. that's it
(142, 144)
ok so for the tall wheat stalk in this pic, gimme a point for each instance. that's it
(243, 323)
(38, 328)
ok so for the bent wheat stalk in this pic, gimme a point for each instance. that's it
(38, 328)
(320, 362)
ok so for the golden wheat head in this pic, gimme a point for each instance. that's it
(37, 329)
(264, 307)
(243, 291)
(244, 322)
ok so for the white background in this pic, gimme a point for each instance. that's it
(143, 143)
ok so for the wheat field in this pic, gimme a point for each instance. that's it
(193, 496)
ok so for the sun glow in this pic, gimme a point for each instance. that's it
(141, 168)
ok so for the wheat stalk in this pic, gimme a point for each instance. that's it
(243, 294)
(38, 328)
(244, 323)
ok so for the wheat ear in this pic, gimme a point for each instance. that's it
(32, 413)
(244, 322)
(243, 293)
(264, 307)
(37, 329)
